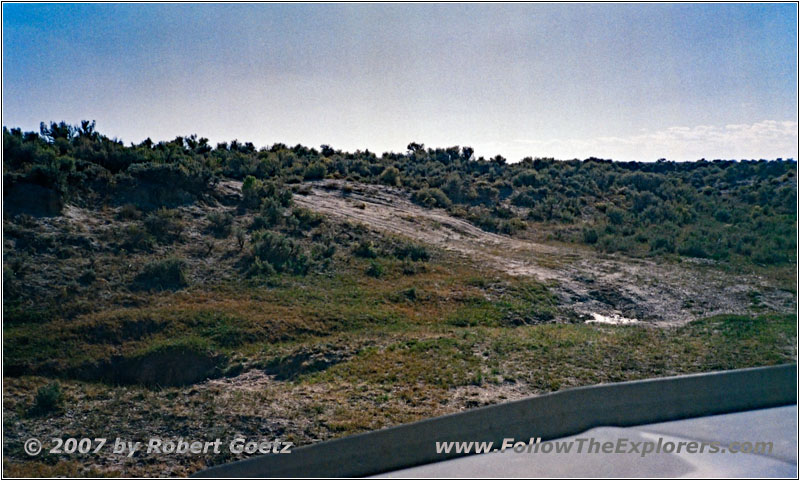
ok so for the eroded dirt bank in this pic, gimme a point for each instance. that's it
(590, 283)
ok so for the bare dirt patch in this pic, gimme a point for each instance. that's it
(660, 293)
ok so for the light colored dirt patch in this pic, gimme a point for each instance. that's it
(488, 394)
(588, 282)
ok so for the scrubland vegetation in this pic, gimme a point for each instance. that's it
(722, 210)
(177, 288)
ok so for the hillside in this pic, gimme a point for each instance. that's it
(180, 289)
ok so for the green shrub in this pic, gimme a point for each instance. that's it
(664, 244)
(167, 274)
(612, 243)
(254, 192)
(136, 238)
(409, 250)
(129, 212)
(512, 226)
(498, 219)
(164, 224)
(185, 175)
(486, 193)
(315, 171)
(616, 216)
(259, 267)
(306, 218)
(722, 215)
(768, 255)
(88, 276)
(251, 191)
(590, 235)
(220, 224)
(693, 248)
(366, 250)
(48, 399)
(270, 215)
(241, 237)
(323, 251)
(431, 198)
(374, 269)
(410, 268)
(528, 178)
(273, 252)
(390, 176)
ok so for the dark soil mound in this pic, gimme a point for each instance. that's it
(171, 366)
(304, 361)
(32, 199)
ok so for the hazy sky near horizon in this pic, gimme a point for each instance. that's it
(621, 81)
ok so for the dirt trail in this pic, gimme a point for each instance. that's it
(607, 288)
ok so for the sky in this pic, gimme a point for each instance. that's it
(619, 81)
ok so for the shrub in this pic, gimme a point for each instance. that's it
(390, 176)
(251, 191)
(512, 226)
(171, 177)
(220, 224)
(48, 399)
(136, 238)
(525, 198)
(274, 252)
(662, 244)
(431, 198)
(590, 236)
(254, 192)
(616, 216)
(88, 277)
(693, 248)
(486, 193)
(302, 189)
(366, 250)
(502, 212)
(723, 216)
(488, 220)
(642, 200)
(306, 218)
(324, 251)
(270, 215)
(164, 224)
(410, 268)
(765, 254)
(412, 251)
(129, 212)
(315, 171)
(610, 243)
(374, 269)
(485, 222)
(261, 268)
(526, 178)
(167, 274)
(240, 236)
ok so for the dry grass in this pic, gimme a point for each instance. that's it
(356, 353)
(390, 377)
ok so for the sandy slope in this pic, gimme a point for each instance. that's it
(612, 286)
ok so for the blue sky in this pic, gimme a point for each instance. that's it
(622, 81)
